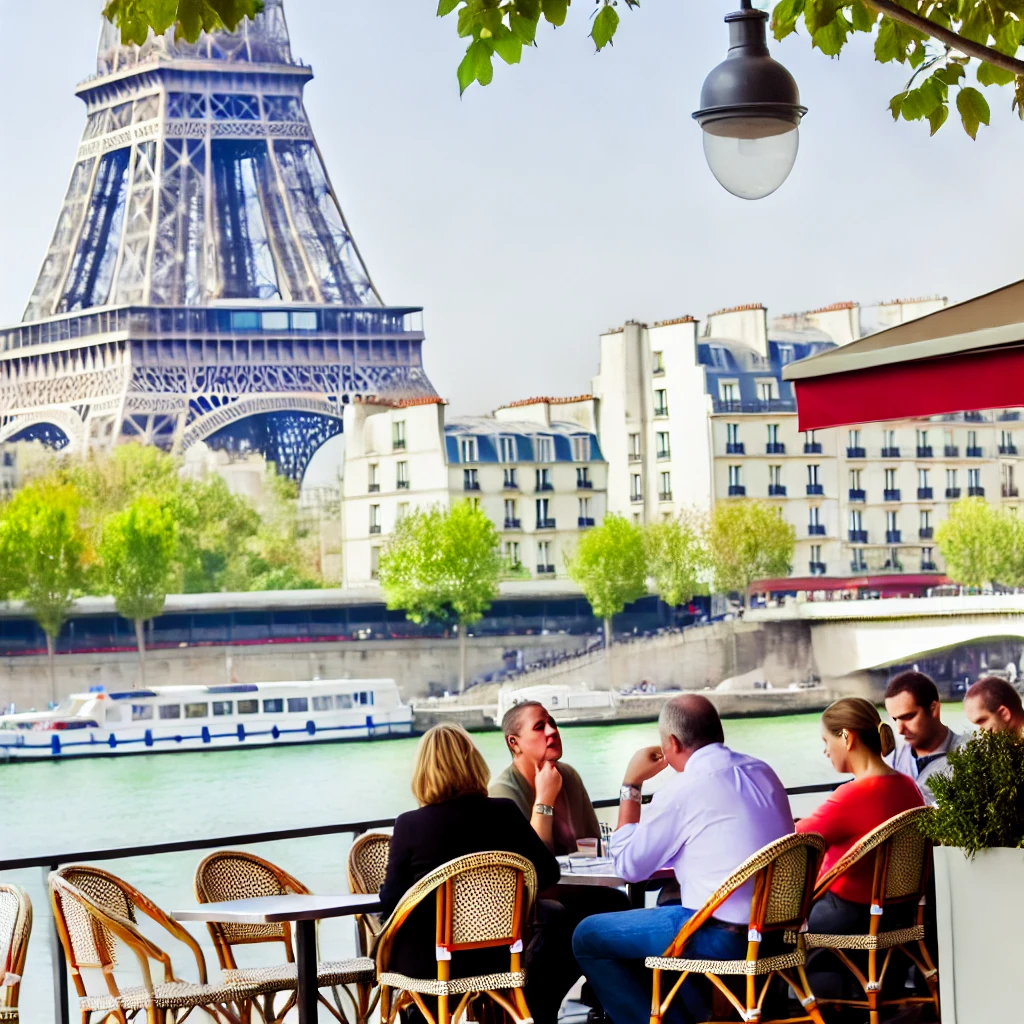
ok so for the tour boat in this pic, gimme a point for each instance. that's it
(231, 716)
(567, 703)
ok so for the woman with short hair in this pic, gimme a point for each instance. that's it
(456, 817)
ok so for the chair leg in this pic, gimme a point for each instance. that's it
(656, 996)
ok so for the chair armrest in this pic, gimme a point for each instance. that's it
(152, 911)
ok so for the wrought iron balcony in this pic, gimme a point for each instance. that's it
(1010, 414)
(471, 485)
(635, 496)
(951, 451)
(858, 494)
(734, 448)
(974, 417)
(661, 410)
(737, 490)
(374, 528)
(817, 568)
(815, 488)
(1009, 491)
(858, 536)
(542, 486)
(402, 485)
(924, 494)
(398, 444)
(545, 524)
(635, 457)
(753, 405)
(1007, 449)
(584, 485)
(891, 494)
(976, 492)
(953, 492)
(775, 448)
(373, 488)
(856, 453)
(513, 524)
(511, 485)
(663, 453)
(858, 566)
(816, 529)
(664, 495)
(585, 521)
(924, 451)
(890, 453)
(658, 371)
(545, 570)
(893, 536)
(926, 533)
(812, 447)
(776, 490)
(928, 566)
(975, 453)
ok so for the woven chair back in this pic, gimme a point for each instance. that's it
(368, 862)
(92, 945)
(15, 927)
(790, 885)
(485, 905)
(233, 875)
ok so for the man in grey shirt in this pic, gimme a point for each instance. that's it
(912, 701)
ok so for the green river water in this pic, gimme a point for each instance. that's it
(116, 802)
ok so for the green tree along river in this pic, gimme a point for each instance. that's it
(123, 801)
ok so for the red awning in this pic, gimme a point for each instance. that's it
(961, 358)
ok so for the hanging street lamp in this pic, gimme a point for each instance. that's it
(750, 112)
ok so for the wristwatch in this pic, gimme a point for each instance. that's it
(629, 792)
(545, 809)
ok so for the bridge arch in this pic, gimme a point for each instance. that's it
(56, 428)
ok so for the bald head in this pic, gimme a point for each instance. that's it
(692, 720)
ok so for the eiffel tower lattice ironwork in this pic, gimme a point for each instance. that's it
(202, 283)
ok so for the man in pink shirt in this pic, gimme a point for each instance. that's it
(718, 809)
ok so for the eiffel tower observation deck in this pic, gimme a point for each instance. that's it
(202, 283)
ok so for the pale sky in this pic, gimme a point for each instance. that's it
(572, 193)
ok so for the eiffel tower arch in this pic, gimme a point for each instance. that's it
(202, 283)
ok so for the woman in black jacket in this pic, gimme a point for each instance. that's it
(456, 817)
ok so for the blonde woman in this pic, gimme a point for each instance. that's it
(455, 817)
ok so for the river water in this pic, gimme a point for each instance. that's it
(115, 802)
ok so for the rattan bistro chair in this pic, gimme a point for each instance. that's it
(233, 875)
(901, 857)
(783, 874)
(15, 928)
(367, 868)
(482, 900)
(94, 912)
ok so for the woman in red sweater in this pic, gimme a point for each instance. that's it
(856, 740)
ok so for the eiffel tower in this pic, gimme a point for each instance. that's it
(202, 283)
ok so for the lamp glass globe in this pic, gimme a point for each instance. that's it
(754, 159)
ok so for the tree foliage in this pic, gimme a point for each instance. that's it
(981, 544)
(135, 18)
(748, 540)
(609, 565)
(677, 557)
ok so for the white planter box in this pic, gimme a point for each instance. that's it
(980, 914)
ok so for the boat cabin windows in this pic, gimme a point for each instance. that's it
(170, 711)
(298, 703)
(223, 707)
(273, 705)
(197, 710)
(142, 712)
(248, 707)
(325, 703)
(343, 701)
(362, 697)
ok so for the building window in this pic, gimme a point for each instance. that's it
(922, 478)
(812, 475)
(732, 433)
(950, 478)
(926, 519)
(973, 448)
(1006, 445)
(583, 477)
(773, 433)
(775, 476)
(543, 480)
(511, 479)
(467, 449)
(927, 558)
(889, 440)
(855, 476)
(634, 447)
(890, 479)
(586, 513)
(922, 438)
(398, 434)
(661, 443)
(581, 448)
(402, 475)
(544, 563)
(814, 517)
(544, 448)
(735, 476)
(543, 511)
(661, 402)
(892, 522)
(973, 479)
(811, 442)
(511, 519)
(373, 477)
(636, 492)
(508, 449)
(470, 481)
(658, 362)
(665, 487)
(766, 390)
(1009, 488)
(816, 554)
(510, 552)
(375, 519)
(374, 562)
(856, 520)
(853, 440)
(401, 511)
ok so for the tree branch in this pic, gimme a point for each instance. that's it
(966, 46)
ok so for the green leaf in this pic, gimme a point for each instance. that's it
(476, 65)
(509, 48)
(937, 118)
(973, 108)
(525, 29)
(605, 24)
(989, 74)
(819, 13)
(446, 7)
(887, 43)
(555, 11)
(950, 74)
(863, 17)
(785, 17)
(896, 104)
(830, 38)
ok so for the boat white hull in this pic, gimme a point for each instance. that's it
(182, 735)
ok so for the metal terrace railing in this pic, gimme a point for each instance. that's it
(51, 862)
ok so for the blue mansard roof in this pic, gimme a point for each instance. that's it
(488, 433)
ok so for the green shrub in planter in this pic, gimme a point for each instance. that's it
(980, 802)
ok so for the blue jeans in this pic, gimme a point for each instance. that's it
(611, 948)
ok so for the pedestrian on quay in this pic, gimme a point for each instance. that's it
(994, 705)
(912, 702)
(717, 809)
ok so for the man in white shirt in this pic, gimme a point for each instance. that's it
(719, 809)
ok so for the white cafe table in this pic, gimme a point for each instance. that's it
(302, 910)
(601, 871)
